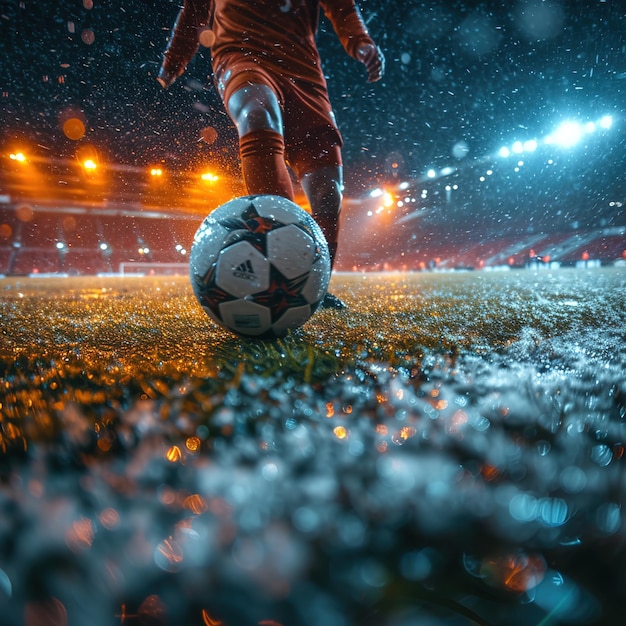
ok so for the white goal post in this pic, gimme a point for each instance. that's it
(145, 268)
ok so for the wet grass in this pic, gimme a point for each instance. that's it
(384, 444)
(107, 341)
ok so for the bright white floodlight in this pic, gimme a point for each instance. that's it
(568, 134)
(606, 122)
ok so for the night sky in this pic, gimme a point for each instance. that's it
(463, 78)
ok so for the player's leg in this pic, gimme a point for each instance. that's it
(324, 190)
(256, 112)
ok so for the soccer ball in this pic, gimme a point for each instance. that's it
(259, 266)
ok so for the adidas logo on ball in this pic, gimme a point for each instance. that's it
(245, 271)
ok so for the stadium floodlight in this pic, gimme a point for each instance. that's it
(104, 246)
(568, 134)
(431, 173)
(518, 147)
(606, 122)
(60, 245)
(209, 177)
(504, 152)
(20, 157)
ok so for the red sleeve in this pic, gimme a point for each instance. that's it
(183, 43)
(348, 23)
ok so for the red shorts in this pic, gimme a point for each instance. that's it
(312, 139)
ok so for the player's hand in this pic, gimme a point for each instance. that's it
(165, 78)
(372, 57)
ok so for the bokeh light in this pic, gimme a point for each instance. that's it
(208, 134)
(74, 128)
(206, 37)
(88, 36)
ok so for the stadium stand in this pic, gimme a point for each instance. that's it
(75, 240)
(35, 261)
(605, 247)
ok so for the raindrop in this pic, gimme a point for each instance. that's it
(537, 19)
(51, 613)
(480, 423)
(208, 135)
(373, 574)
(460, 150)
(553, 511)
(6, 589)
(152, 611)
(573, 479)
(270, 471)
(416, 565)
(206, 37)
(524, 507)
(543, 447)
(356, 447)
(602, 455)
(472, 565)
(168, 555)
(306, 519)
(609, 518)
(88, 36)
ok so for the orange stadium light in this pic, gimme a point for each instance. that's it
(88, 158)
(209, 177)
(387, 203)
(19, 157)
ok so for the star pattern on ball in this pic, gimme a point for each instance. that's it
(283, 293)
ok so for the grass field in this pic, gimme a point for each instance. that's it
(449, 450)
